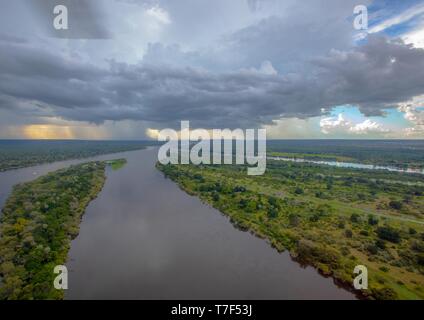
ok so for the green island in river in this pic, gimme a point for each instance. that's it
(39, 221)
(331, 218)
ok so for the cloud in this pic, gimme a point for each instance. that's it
(415, 36)
(403, 17)
(375, 76)
(218, 64)
(414, 113)
(340, 125)
(368, 126)
(331, 124)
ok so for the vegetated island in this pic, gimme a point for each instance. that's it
(116, 164)
(331, 218)
(39, 221)
(15, 154)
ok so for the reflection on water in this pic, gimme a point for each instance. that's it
(350, 165)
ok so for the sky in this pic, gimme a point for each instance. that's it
(125, 69)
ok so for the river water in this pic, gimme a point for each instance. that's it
(350, 165)
(144, 238)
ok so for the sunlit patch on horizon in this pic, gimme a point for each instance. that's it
(47, 131)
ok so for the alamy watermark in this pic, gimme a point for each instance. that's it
(178, 149)
(61, 281)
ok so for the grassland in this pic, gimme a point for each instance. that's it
(327, 217)
(39, 221)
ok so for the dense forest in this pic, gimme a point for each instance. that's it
(39, 221)
(24, 153)
(330, 218)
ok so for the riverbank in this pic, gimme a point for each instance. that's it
(321, 221)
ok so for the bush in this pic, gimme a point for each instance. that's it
(239, 189)
(310, 252)
(372, 248)
(319, 194)
(396, 205)
(380, 243)
(215, 197)
(272, 213)
(273, 201)
(372, 220)
(355, 218)
(315, 217)
(412, 231)
(417, 246)
(348, 233)
(298, 191)
(294, 220)
(389, 234)
(420, 259)
(384, 294)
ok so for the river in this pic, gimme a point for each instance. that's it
(144, 238)
(350, 165)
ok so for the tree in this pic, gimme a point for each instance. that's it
(389, 234)
(372, 220)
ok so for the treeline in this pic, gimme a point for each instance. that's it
(24, 153)
(398, 153)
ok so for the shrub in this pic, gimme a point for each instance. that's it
(417, 246)
(272, 213)
(355, 218)
(384, 294)
(372, 248)
(315, 217)
(215, 197)
(348, 233)
(273, 201)
(294, 220)
(309, 252)
(298, 191)
(396, 205)
(239, 189)
(372, 220)
(380, 243)
(420, 259)
(364, 233)
(389, 234)
(384, 269)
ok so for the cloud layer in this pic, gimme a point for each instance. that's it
(263, 64)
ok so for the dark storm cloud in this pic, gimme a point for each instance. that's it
(376, 75)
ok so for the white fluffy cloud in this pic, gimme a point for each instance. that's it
(414, 113)
(340, 125)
